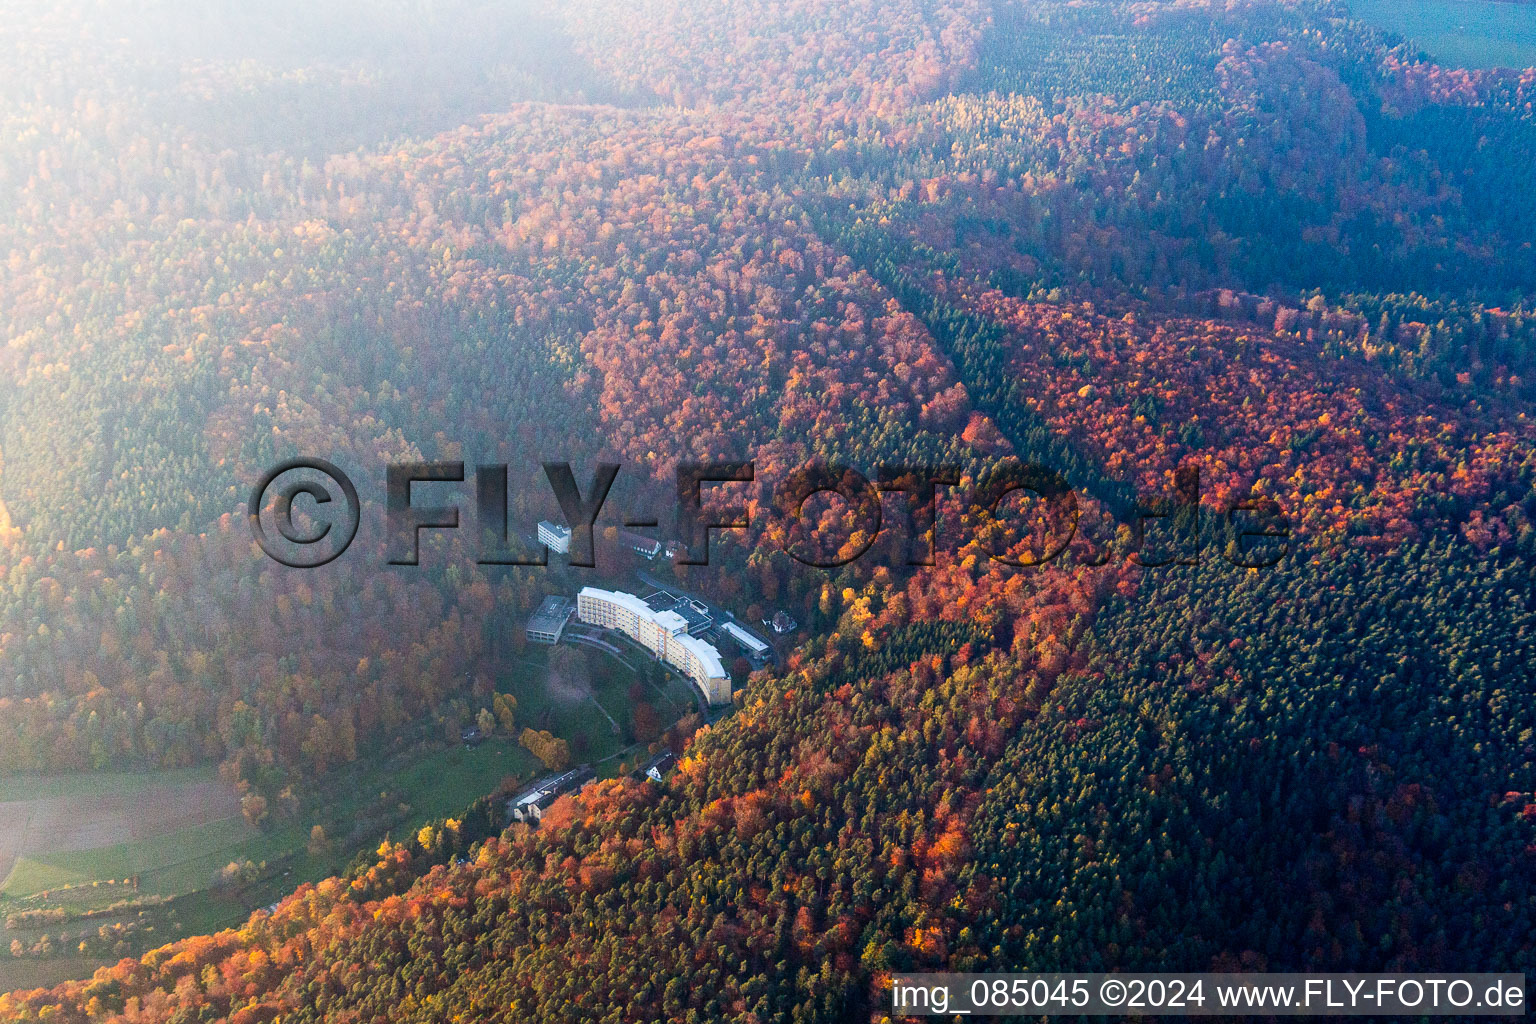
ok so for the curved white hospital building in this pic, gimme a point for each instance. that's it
(663, 633)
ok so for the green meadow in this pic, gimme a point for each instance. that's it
(176, 873)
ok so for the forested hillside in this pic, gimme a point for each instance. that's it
(1124, 240)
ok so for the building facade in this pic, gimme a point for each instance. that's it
(555, 536)
(663, 633)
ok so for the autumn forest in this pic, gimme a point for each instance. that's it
(1260, 244)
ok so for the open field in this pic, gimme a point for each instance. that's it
(66, 834)
(182, 854)
(589, 693)
(171, 864)
(1463, 33)
(73, 828)
(72, 843)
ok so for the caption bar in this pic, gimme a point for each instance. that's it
(1196, 995)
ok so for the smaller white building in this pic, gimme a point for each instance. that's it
(746, 639)
(557, 537)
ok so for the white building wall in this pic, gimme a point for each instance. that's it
(663, 633)
(558, 538)
(751, 642)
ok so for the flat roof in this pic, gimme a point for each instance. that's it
(556, 528)
(670, 621)
(690, 611)
(752, 642)
(551, 614)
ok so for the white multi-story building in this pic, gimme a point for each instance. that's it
(663, 633)
(557, 537)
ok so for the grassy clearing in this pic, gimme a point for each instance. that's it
(170, 865)
(568, 714)
(185, 863)
(96, 784)
(447, 781)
